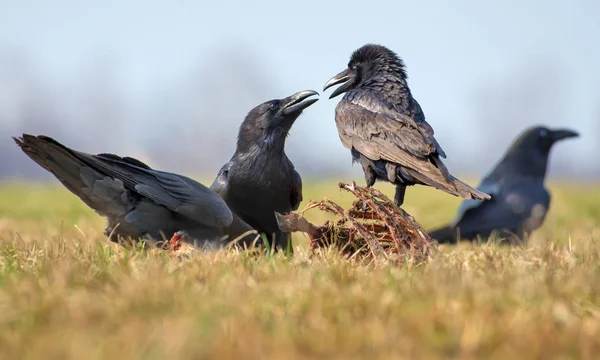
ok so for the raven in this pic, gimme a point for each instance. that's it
(138, 202)
(260, 180)
(385, 128)
(519, 199)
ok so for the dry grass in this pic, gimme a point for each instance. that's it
(65, 292)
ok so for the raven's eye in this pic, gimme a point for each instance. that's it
(543, 133)
(274, 106)
(354, 67)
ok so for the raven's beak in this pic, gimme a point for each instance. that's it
(343, 77)
(295, 102)
(562, 134)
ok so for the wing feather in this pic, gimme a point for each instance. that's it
(388, 136)
(175, 192)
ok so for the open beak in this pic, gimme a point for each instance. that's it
(343, 77)
(562, 134)
(299, 101)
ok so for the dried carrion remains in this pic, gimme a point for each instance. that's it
(373, 226)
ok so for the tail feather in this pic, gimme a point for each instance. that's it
(56, 159)
(466, 191)
(69, 168)
(454, 186)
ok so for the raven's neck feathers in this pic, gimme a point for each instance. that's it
(267, 142)
(389, 90)
(523, 161)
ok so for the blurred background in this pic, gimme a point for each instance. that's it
(170, 81)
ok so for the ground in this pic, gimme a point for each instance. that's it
(67, 293)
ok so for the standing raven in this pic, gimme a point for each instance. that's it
(519, 199)
(260, 179)
(385, 128)
(137, 201)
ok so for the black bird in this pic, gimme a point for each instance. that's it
(385, 128)
(137, 201)
(519, 199)
(260, 179)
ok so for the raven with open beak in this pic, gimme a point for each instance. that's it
(260, 180)
(385, 129)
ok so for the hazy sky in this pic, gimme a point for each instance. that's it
(481, 71)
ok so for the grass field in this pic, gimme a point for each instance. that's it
(67, 293)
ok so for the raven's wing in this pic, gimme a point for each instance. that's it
(114, 186)
(515, 208)
(490, 188)
(397, 138)
(427, 131)
(175, 192)
(296, 195)
(385, 135)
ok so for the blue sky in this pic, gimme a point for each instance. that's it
(482, 71)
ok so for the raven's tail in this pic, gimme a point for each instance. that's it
(468, 192)
(98, 191)
(444, 235)
(439, 178)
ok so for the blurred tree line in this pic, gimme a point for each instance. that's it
(191, 125)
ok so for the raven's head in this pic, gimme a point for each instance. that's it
(529, 153)
(365, 63)
(540, 139)
(269, 123)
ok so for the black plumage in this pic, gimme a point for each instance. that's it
(385, 128)
(260, 179)
(137, 201)
(519, 201)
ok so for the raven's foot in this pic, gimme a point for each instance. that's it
(399, 195)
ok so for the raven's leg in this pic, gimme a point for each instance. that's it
(368, 170)
(369, 176)
(399, 196)
(283, 242)
(391, 170)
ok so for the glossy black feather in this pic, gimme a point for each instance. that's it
(260, 179)
(385, 127)
(519, 201)
(137, 201)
